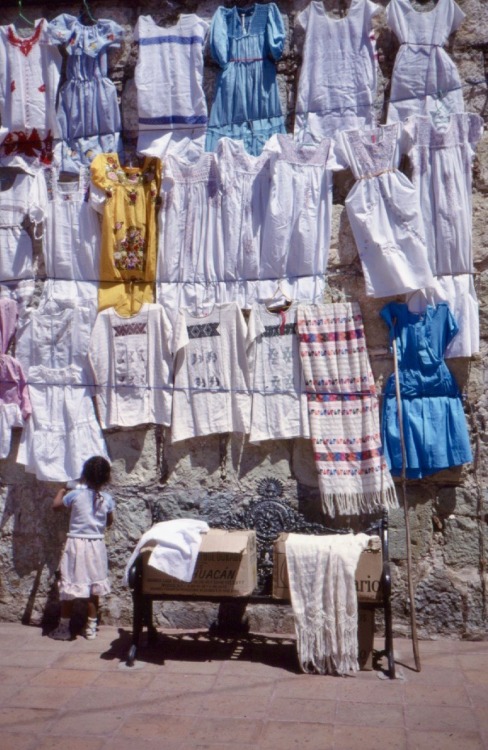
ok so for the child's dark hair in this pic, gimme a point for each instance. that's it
(96, 472)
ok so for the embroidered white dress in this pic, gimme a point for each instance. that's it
(191, 258)
(171, 104)
(21, 203)
(338, 77)
(279, 402)
(424, 80)
(72, 241)
(132, 366)
(384, 213)
(298, 220)
(211, 375)
(29, 77)
(442, 161)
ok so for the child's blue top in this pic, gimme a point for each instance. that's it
(88, 515)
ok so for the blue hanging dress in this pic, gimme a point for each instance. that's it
(246, 43)
(434, 423)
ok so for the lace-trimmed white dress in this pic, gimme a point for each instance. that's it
(423, 69)
(442, 161)
(298, 220)
(338, 77)
(384, 213)
(191, 257)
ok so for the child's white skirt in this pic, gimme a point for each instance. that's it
(84, 569)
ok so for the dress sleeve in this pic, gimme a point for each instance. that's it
(60, 29)
(458, 17)
(98, 194)
(69, 498)
(219, 37)
(110, 33)
(275, 32)
(38, 202)
(109, 502)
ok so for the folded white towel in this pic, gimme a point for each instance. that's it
(321, 572)
(176, 550)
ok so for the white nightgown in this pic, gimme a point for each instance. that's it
(72, 242)
(191, 256)
(211, 375)
(424, 79)
(338, 77)
(171, 104)
(298, 220)
(279, 402)
(245, 183)
(384, 213)
(132, 366)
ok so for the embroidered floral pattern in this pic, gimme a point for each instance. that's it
(25, 45)
(12, 86)
(129, 255)
(30, 145)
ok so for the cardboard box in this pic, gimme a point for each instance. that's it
(226, 566)
(368, 573)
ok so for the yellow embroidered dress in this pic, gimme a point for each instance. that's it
(127, 198)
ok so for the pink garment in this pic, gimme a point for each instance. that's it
(8, 322)
(15, 405)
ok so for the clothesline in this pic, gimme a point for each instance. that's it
(134, 132)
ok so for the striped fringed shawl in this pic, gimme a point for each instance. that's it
(343, 410)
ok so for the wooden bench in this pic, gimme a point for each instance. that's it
(269, 517)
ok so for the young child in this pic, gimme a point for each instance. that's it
(84, 567)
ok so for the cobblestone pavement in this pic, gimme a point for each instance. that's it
(191, 692)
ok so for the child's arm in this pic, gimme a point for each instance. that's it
(58, 500)
(110, 519)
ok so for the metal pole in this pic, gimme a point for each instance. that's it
(413, 620)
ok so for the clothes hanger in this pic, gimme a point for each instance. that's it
(86, 14)
(279, 293)
(21, 15)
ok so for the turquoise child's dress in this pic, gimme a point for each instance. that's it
(434, 423)
(246, 43)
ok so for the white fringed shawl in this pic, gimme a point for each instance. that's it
(321, 572)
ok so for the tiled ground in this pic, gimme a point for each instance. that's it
(192, 693)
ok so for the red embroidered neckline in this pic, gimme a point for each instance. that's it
(25, 45)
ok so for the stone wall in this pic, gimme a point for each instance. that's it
(210, 477)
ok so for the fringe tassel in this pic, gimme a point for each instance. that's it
(324, 649)
(349, 504)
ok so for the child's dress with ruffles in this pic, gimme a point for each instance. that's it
(434, 423)
(246, 43)
(88, 110)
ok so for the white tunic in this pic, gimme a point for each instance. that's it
(279, 402)
(191, 242)
(171, 104)
(423, 70)
(29, 77)
(384, 213)
(211, 373)
(338, 77)
(442, 163)
(298, 220)
(131, 363)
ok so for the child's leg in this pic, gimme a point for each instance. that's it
(93, 607)
(66, 608)
(63, 632)
(91, 625)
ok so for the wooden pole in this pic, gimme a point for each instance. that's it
(413, 619)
